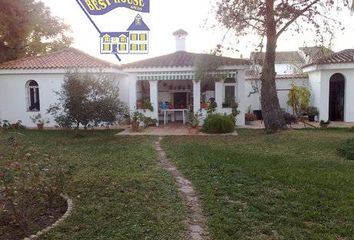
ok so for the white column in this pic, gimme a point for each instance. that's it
(349, 97)
(324, 97)
(154, 99)
(132, 92)
(219, 94)
(241, 97)
(196, 96)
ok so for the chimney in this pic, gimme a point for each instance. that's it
(180, 37)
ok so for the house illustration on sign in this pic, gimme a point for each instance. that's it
(134, 41)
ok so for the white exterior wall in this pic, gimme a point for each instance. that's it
(283, 69)
(241, 97)
(283, 87)
(13, 95)
(349, 96)
(315, 88)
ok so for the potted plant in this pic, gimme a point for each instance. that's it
(250, 118)
(204, 105)
(136, 119)
(147, 105)
(6, 125)
(195, 121)
(312, 112)
(212, 106)
(324, 124)
(139, 104)
(39, 121)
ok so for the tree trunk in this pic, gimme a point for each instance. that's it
(272, 114)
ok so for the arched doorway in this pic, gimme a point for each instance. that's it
(336, 97)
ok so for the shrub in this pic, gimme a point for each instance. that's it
(87, 99)
(148, 121)
(6, 125)
(147, 105)
(218, 123)
(289, 118)
(347, 149)
(312, 111)
(38, 119)
(299, 99)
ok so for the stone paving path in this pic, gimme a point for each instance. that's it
(196, 221)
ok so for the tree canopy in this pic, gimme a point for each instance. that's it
(27, 28)
(251, 16)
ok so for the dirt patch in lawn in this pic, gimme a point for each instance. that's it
(39, 216)
(196, 221)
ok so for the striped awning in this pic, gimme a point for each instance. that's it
(182, 75)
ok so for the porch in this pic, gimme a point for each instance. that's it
(170, 97)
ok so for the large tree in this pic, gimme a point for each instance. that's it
(27, 28)
(271, 18)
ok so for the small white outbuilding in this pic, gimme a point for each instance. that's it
(331, 81)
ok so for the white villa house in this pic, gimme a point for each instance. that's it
(27, 86)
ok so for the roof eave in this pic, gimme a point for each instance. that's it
(59, 70)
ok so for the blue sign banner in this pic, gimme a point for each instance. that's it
(100, 7)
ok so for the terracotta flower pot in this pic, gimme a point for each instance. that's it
(204, 105)
(135, 126)
(40, 126)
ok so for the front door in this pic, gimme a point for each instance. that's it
(180, 100)
(336, 97)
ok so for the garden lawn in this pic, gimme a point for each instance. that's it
(119, 191)
(291, 185)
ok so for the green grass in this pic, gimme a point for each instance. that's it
(347, 149)
(291, 185)
(119, 191)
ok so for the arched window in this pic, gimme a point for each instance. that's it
(33, 103)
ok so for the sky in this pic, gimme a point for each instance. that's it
(166, 16)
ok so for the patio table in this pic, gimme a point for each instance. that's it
(165, 111)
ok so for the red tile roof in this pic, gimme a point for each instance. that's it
(63, 59)
(345, 56)
(183, 59)
(315, 53)
(281, 57)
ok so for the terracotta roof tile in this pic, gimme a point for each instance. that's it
(182, 59)
(63, 59)
(315, 53)
(345, 56)
(281, 57)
